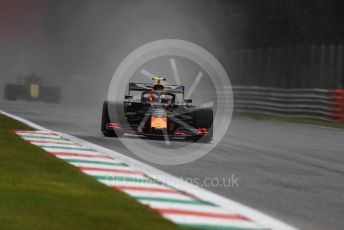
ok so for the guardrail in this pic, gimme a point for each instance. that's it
(321, 104)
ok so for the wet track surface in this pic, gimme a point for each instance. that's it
(293, 172)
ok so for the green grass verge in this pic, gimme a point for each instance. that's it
(39, 191)
(332, 124)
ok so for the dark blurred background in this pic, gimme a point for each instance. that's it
(79, 44)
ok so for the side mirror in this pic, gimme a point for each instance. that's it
(188, 101)
(127, 97)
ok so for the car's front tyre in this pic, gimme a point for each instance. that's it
(106, 130)
(203, 119)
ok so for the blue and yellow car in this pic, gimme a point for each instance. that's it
(32, 88)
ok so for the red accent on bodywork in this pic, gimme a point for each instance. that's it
(114, 126)
(202, 131)
(181, 134)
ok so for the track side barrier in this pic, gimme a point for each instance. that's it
(323, 104)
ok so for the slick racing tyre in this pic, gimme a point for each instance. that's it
(51, 94)
(203, 118)
(108, 132)
(11, 92)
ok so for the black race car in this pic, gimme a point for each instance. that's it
(32, 88)
(158, 111)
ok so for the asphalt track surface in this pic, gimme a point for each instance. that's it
(293, 172)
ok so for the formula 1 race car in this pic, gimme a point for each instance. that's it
(157, 111)
(32, 88)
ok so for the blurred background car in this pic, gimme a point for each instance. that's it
(32, 88)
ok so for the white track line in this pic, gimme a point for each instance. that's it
(227, 204)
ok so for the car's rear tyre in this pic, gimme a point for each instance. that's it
(108, 132)
(11, 92)
(52, 94)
